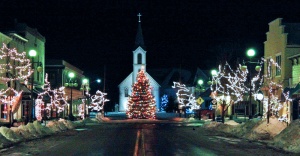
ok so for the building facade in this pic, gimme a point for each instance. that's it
(283, 47)
(24, 38)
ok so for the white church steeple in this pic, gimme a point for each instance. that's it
(139, 54)
(139, 63)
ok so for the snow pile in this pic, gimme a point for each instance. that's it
(254, 129)
(4, 142)
(32, 130)
(23, 131)
(10, 135)
(67, 123)
(100, 117)
(289, 138)
(60, 125)
(56, 126)
(42, 130)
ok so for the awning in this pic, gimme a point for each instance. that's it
(293, 91)
(25, 89)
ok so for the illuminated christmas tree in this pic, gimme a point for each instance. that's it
(141, 103)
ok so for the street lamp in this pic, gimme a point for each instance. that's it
(199, 100)
(213, 72)
(250, 53)
(85, 91)
(72, 83)
(85, 87)
(32, 54)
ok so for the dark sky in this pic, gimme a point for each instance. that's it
(194, 33)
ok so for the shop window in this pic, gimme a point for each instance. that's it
(3, 110)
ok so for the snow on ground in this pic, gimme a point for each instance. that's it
(289, 138)
(274, 133)
(9, 136)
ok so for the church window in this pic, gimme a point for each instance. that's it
(126, 92)
(139, 57)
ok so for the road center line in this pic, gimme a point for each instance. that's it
(136, 147)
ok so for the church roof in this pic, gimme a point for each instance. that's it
(139, 39)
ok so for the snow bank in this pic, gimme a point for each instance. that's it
(42, 130)
(60, 125)
(32, 130)
(10, 135)
(67, 123)
(289, 138)
(23, 131)
(254, 129)
(53, 125)
(4, 142)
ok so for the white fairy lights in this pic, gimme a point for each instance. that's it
(14, 65)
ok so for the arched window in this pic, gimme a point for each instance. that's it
(139, 58)
(126, 92)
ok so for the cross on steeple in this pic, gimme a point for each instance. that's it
(139, 17)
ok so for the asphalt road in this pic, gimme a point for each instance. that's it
(130, 139)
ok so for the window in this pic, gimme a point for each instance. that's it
(126, 92)
(3, 110)
(139, 57)
(278, 61)
(269, 68)
(25, 108)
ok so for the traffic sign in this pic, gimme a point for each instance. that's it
(200, 101)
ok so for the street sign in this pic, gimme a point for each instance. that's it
(214, 101)
(200, 101)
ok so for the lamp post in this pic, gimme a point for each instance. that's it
(30, 113)
(85, 87)
(200, 83)
(72, 83)
(250, 54)
(214, 106)
(85, 91)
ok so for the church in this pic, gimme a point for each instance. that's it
(139, 62)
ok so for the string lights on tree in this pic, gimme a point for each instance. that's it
(164, 102)
(273, 104)
(14, 66)
(141, 103)
(186, 100)
(229, 85)
(98, 101)
(56, 100)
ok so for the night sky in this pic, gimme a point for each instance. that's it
(191, 33)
